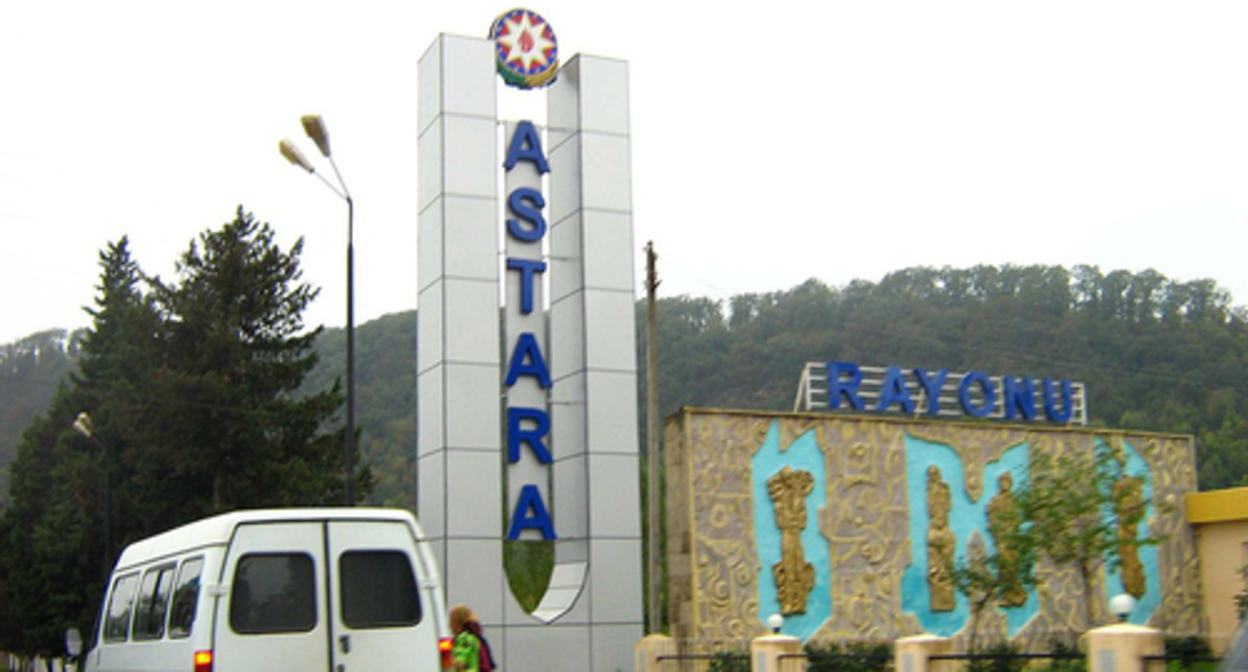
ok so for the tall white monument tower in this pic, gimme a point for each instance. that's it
(526, 354)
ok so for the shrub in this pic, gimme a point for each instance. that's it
(1188, 653)
(1000, 658)
(729, 661)
(850, 657)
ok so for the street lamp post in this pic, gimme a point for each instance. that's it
(314, 126)
(82, 425)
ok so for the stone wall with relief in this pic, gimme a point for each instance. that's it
(850, 525)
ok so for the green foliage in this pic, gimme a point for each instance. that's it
(224, 428)
(1241, 598)
(30, 370)
(1066, 658)
(849, 657)
(529, 565)
(985, 578)
(1189, 653)
(729, 661)
(1081, 511)
(1077, 504)
(1157, 354)
(385, 400)
(1000, 657)
(191, 389)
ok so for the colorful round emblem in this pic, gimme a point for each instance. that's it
(525, 48)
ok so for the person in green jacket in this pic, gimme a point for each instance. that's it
(466, 650)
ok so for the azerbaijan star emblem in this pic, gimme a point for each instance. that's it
(525, 48)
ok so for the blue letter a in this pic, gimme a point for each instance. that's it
(526, 145)
(530, 514)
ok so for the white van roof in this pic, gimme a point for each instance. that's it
(217, 530)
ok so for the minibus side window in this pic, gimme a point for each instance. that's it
(378, 589)
(273, 592)
(117, 618)
(149, 616)
(185, 598)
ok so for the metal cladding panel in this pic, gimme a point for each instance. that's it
(607, 315)
(431, 493)
(470, 169)
(472, 407)
(474, 508)
(615, 479)
(591, 206)
(458, 272)
(429, 330)
(606, 173)
(429, 88)
(589, 269)
(571, 483)
(429, 148)
(565, 174)
(612, 647)
(567, 343)
(471, 314)
(469, 238)
(429, 263)
(476, 579)
(563, 105)
(604, 94)
(591, 95)
(456, 77)
(615, 575)
(567, 417)
(431, 409)
(609, 231)
(566, 269)
(612, 412)
(550, 649)
(468, 77)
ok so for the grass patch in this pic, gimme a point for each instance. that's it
(529, 565)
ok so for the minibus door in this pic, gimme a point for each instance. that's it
(379, 621)
(273, 614)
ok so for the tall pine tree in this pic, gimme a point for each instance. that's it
(229, 431)
(191, 387)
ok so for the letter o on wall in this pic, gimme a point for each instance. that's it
(988, 390)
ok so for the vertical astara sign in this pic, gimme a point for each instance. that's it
(526, 384)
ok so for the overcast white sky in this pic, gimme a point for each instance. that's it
(772, 142)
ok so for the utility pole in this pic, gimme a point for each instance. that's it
(654, 612)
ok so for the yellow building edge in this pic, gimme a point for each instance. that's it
(1217, 506)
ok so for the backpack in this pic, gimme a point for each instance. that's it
(486, 662)
(487, 657)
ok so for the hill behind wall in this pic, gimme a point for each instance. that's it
(1156, 354)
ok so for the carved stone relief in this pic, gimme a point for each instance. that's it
(713, 555)
(941, 542)
(793, 575)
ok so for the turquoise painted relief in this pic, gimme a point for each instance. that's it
(1146, 604)
(965, 517)
(803, 454)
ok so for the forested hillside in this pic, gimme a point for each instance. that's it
(30, 370)
(385, 390)
(1156, 354)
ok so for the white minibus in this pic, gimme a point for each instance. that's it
(307, 590)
